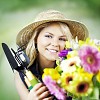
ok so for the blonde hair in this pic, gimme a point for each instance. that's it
(31, 49)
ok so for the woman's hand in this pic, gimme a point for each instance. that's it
(39, 92)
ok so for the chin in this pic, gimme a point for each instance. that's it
(53, 58)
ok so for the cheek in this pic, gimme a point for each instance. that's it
(62, 46)
(41, 43)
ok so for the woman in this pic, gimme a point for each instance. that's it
(44, 39)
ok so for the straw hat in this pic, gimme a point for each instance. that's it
(76, 28)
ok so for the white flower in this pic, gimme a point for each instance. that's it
(97, 42)
(69, 65)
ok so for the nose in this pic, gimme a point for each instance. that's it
(55, 42)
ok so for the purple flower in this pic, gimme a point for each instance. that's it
(54, 89)
(63, 53)
(90, 58)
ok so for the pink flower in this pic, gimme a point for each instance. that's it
(90, 58)
(54, 89)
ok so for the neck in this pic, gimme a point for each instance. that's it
(43, 63)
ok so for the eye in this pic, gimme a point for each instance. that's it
(62, 39)
(48, 36)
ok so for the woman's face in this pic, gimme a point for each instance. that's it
(50, 42)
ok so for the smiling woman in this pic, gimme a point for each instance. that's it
(51, 41)
(52, 37)
(44, 39)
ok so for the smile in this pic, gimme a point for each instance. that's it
(52, 50)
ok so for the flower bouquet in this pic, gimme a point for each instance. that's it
(77, 73)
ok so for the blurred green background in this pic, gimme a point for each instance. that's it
(15, 14)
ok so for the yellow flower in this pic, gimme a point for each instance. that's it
(51, 72)
(83, 72)
(58, 61)
(58, 68)
(98, 76)
(72, 54)
(89, 42)
(66, 79)
(81, 85)
(68, 45)
(72, 44)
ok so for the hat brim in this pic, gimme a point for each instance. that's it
(77, 29)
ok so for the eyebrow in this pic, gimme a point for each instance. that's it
(50, 33)
(63, 36)
(59, 36)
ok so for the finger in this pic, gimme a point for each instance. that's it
(41, 90)
(44, 95)
(49, 98)
(37, 86)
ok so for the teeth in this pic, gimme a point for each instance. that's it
(53, 51)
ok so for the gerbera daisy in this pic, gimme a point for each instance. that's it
(81, 85)
(90, 58)
(69, 65)
(54, 89)
(66, 79)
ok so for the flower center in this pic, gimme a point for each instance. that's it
(72, 64)
(68, 79)
(90, 59)
(82, 87)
